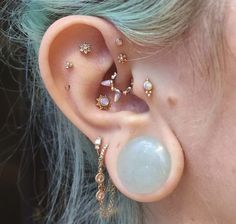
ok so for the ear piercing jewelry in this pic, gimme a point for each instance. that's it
(68, 65)
(144, 155)
(103, 102)
(122, 58)
(119, 42)
(118, 92)
(148, 87)
(85, 48)
(105, 212)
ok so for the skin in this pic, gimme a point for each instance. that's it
(183, 112)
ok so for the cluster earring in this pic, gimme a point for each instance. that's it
(68, 65)
(122, 58)
(105, 212)
(85, 48)
(111, 83)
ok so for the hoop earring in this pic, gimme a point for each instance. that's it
(108, 211)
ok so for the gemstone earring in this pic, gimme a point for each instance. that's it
(85, 48)
(147, 170)
(148, 87)
(105, 212)
(111, 83)
(103, 102)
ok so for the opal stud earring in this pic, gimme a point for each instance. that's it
(122, 58)
(68, 65)
(148, 87)
(119, 42)
(85, 48)
(103, 102)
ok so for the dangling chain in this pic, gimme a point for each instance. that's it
(105, 212)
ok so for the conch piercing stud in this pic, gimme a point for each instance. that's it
(118, 93)
(122, 58)
(105, 212)
(148, 87)
(68, 65)
(103, 102)
(85, 48)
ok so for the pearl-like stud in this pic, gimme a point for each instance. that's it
(148, 87)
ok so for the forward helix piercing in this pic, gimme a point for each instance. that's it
(85, 48)
(118, 92)
(105, 212)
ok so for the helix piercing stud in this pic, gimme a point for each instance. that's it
(69, 65)
(85, 48)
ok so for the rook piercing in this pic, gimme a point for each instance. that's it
(103, 102)
(85, 48)
(122, 58)
(118, 93)
(68, 65)
(148, 87)
(119, 42)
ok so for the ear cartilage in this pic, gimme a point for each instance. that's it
(118, 93)
(103, 102)
(148, 87)
(119, 42)
(122, 58)
(69, 65)
(85, 48)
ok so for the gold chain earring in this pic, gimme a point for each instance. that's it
(105, 211)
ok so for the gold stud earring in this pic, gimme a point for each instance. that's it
(148, 87)
(122, 58)
(105, 212)
(103, 102)
(68, 65)
(85, 48)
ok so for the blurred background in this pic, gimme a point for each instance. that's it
(15, 174)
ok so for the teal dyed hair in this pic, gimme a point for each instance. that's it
(71, 159)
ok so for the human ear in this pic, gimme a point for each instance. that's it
(125, 119)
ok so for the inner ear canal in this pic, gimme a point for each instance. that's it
(127, 102)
